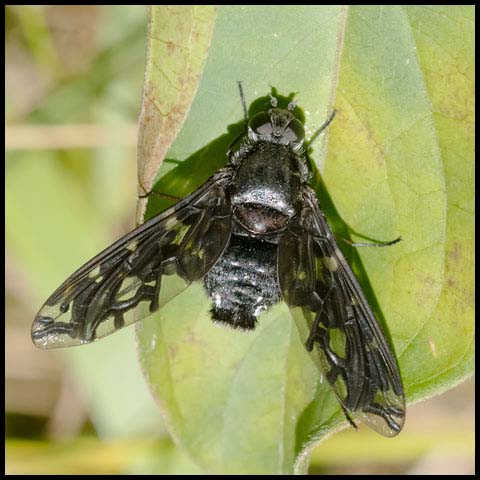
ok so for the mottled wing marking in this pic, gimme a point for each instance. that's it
(319, 287)
(123, 283)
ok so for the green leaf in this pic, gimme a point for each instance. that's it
(399, 162)
(177, 44)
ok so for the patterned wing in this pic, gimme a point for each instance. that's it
(128, 281)
(353, 354)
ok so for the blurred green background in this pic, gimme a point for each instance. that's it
(73, 88)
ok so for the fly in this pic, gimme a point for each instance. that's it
(254, 234)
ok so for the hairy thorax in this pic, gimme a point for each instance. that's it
(267, 184)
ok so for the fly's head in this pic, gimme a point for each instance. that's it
(277, 125)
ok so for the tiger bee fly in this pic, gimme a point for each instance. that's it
(254, 234)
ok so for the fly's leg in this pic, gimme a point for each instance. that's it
(376, 244)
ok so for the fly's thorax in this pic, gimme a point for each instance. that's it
(266, 185)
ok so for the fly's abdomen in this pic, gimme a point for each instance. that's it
(243, 283)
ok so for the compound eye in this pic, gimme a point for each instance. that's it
(294, 131)
(261, 124)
